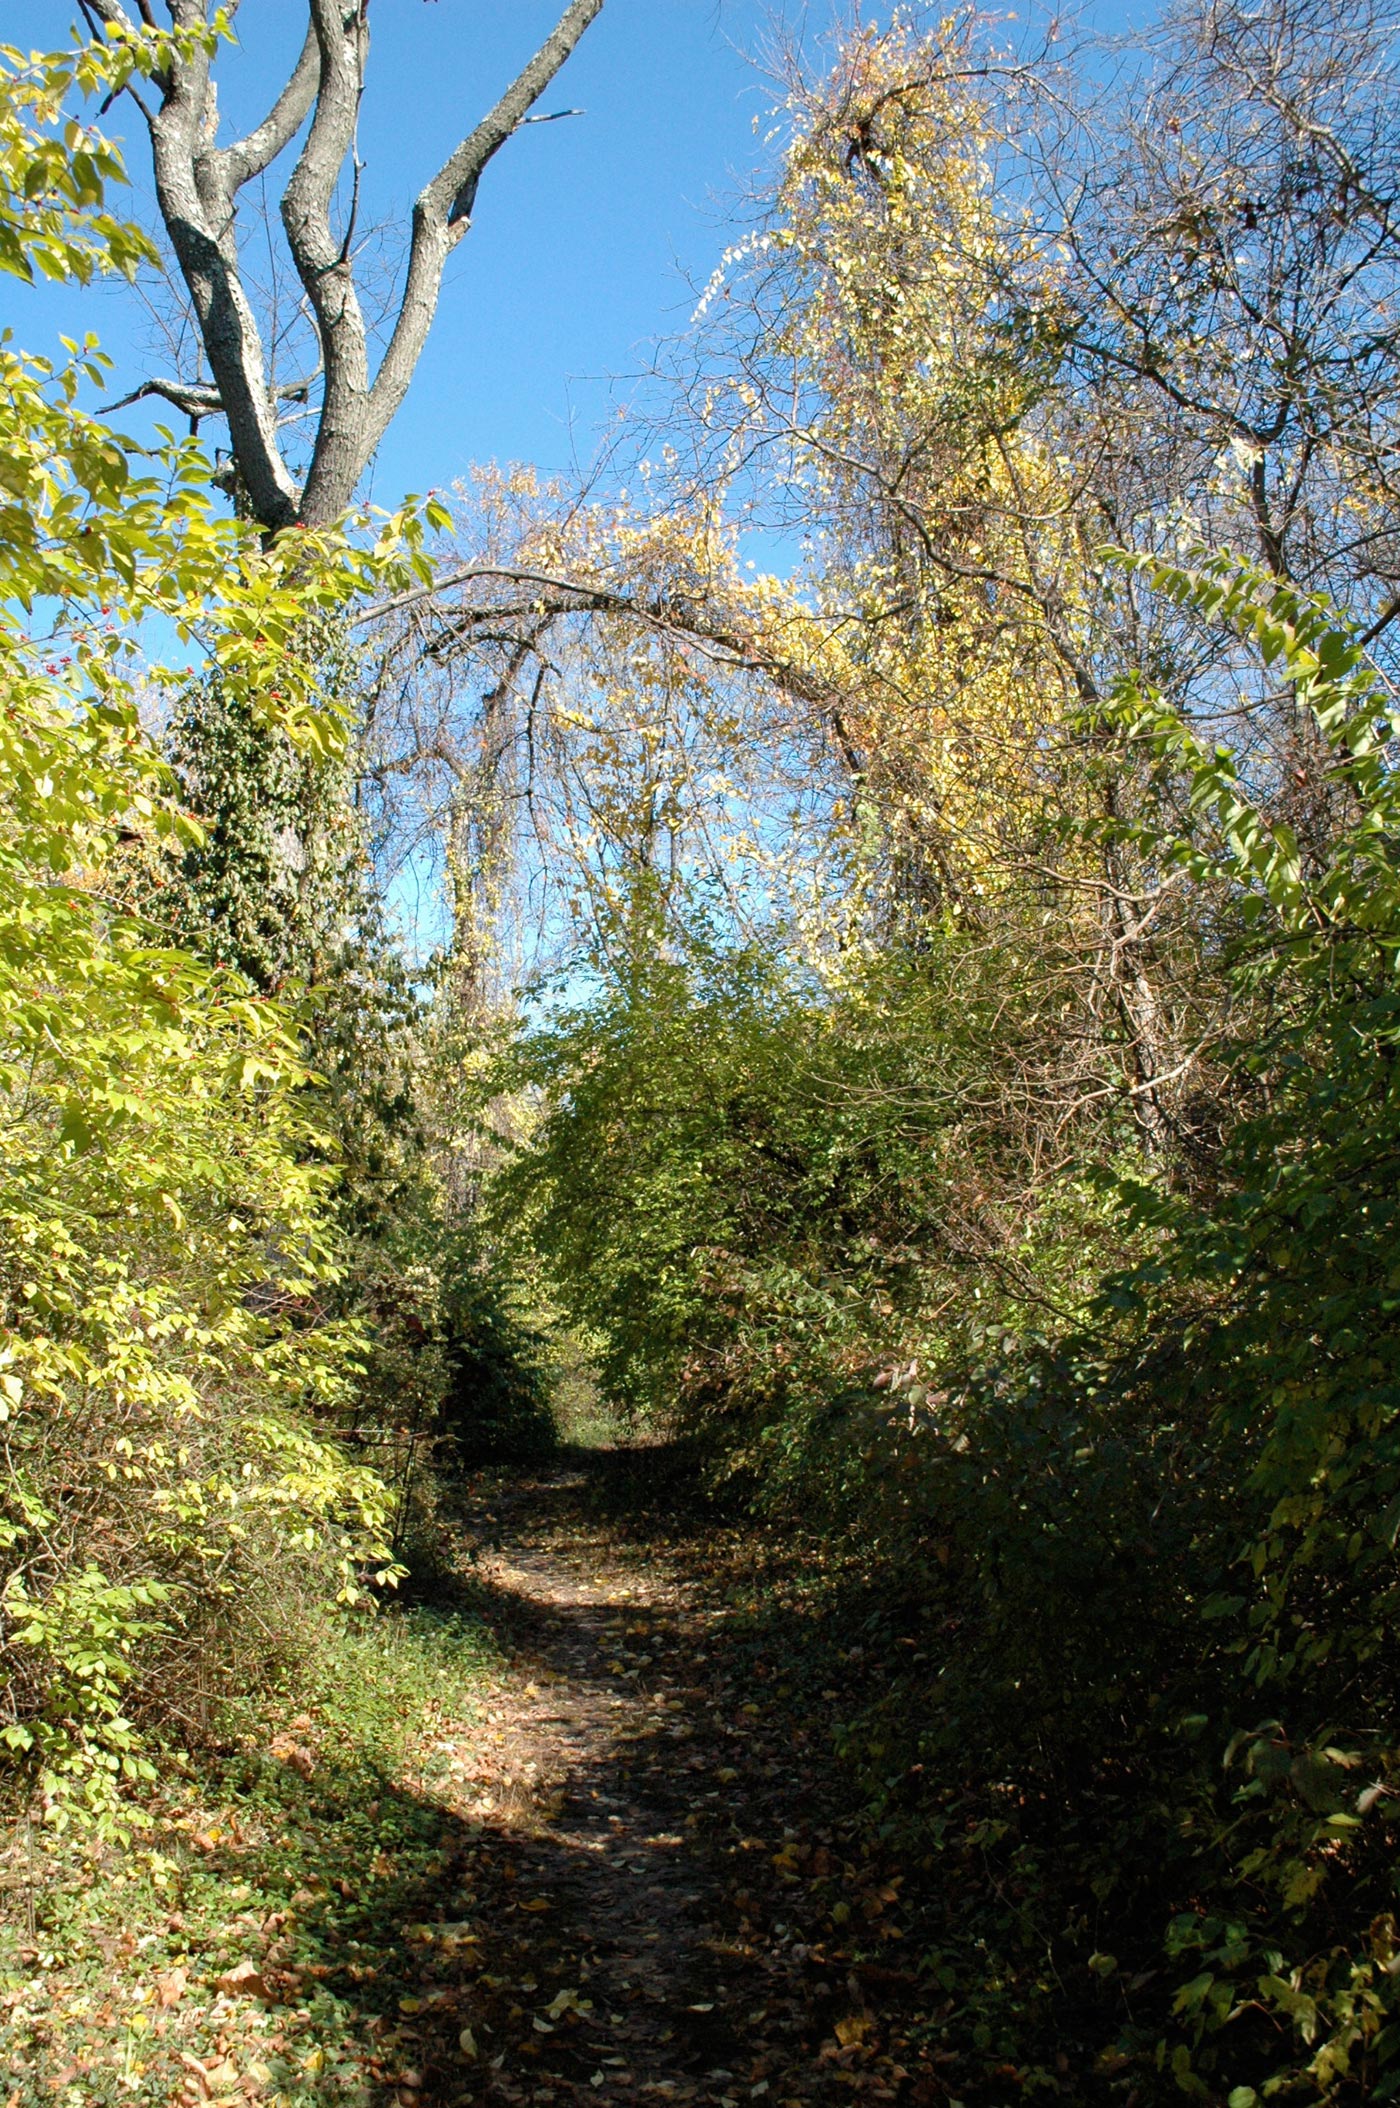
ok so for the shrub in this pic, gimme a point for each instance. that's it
(165, 1240)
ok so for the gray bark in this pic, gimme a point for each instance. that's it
(197, 183)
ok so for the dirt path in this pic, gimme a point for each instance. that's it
(650, 1893)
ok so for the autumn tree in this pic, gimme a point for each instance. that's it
(959, 351)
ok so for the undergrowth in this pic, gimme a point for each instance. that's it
(259, 1932)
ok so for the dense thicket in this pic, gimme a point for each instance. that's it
(227, 1340)
(968, 1116)
(927, 1021)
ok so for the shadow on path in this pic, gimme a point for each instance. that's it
(646, 1862)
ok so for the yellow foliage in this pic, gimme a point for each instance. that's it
(946, 549)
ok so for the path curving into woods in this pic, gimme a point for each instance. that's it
(657, 1904)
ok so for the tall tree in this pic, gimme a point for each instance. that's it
(198, 182)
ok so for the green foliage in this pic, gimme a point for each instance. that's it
(497, 1406)
(755, 1194)
(279, 883)
(1165, 1543)
(161, 1205)
(166, 1241)
(452, 1372)
(270, 880)
(309, 1844)
(1283, 1292)
(1114, 1437)
(55, 173)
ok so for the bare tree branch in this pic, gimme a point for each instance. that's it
(441, 216)
(196, 206)
(197, 185)
(323, 265)
(284, 120)
(196, 400)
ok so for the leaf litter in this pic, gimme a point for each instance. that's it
(623, 1878)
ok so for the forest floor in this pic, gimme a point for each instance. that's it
(609, 1862)
(661, 1857)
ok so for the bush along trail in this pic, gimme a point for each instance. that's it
(575, 1839)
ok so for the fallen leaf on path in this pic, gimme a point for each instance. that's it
(243, 1980)
(294, 1754)
(170, 1988)
(221, 2071)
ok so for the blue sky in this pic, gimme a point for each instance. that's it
(584, 230)
(587, 233)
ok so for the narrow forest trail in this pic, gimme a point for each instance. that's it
(647, 1868)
